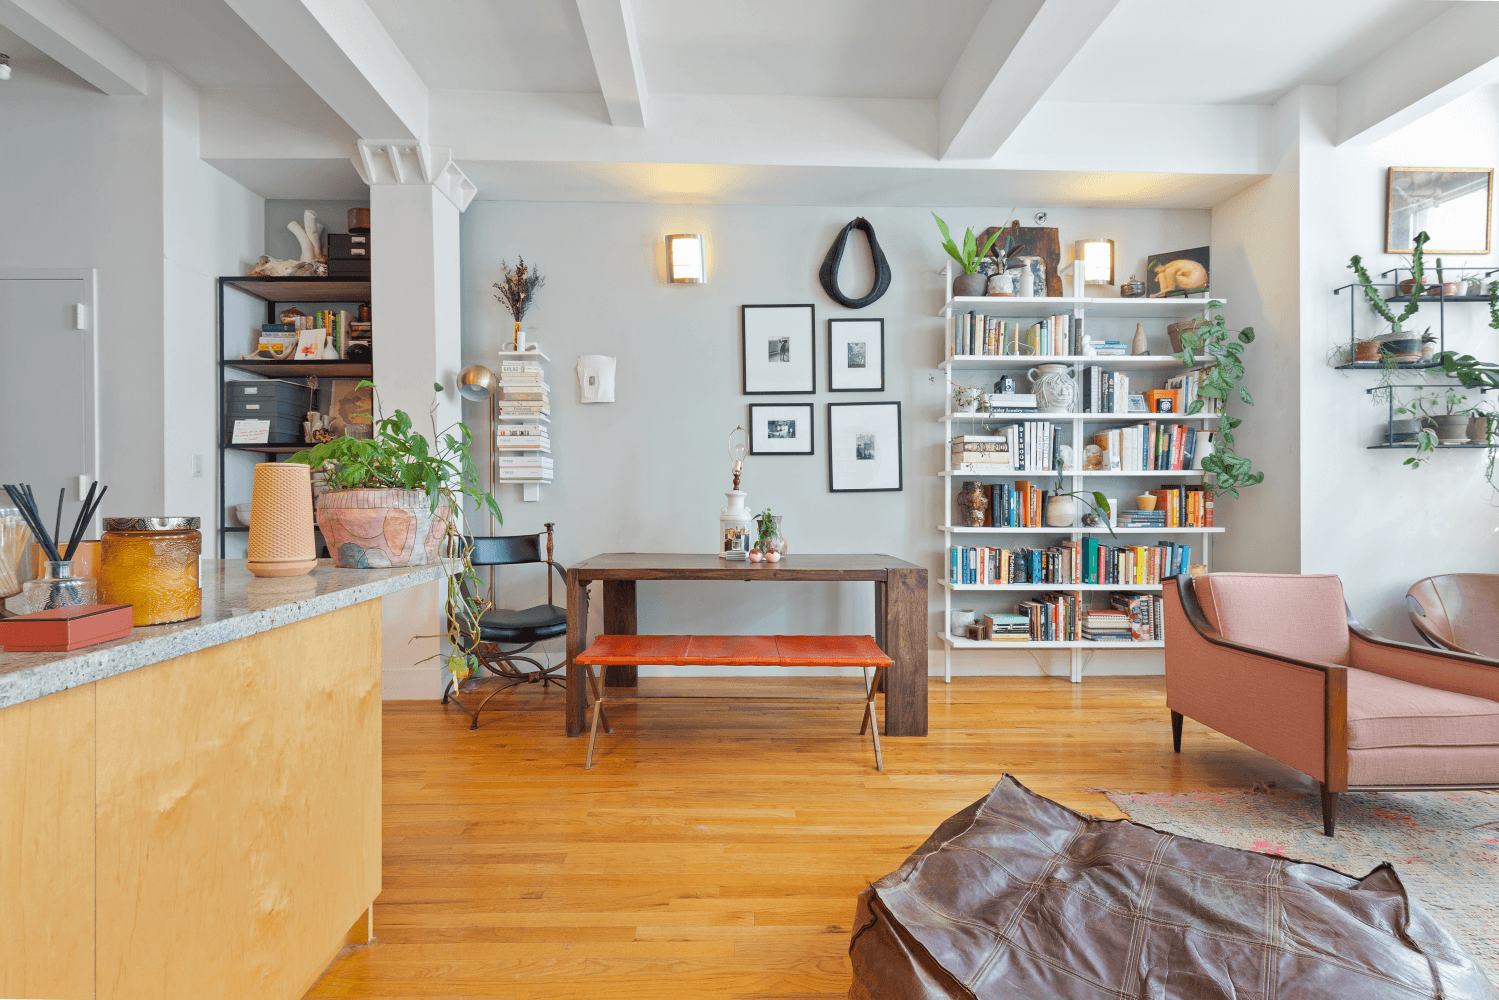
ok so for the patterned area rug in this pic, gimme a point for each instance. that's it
(1443, 845)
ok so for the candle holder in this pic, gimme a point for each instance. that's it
(57, 587)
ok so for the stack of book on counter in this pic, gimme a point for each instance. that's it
(523, 393)
(1010, 402)
(1106, 625)
(522, 437)
(525, 469)
(1142, 518)
(981, 454)
(1009, 628)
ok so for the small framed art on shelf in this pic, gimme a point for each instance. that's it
(864, 447)
(778, 349)
(781, 429)
(856, 355)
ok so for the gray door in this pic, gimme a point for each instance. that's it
(46, 390)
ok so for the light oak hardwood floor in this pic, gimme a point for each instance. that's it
(716, 849)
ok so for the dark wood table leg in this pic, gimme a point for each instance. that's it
(619, 619)
(905, 620)
(577, 641)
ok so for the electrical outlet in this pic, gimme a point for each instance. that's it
(197, 466)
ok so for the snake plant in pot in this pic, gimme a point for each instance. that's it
(970, 282)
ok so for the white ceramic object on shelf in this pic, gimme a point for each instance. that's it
(242, 513)
(1055, 390)
(734, 527)
(961, 619)
(1061, 512)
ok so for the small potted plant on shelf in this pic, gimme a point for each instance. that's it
(970, 282)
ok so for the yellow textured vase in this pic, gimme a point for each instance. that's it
(281, 540)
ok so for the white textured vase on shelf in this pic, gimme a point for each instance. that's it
(734, 527)
(1061, 512)
(1055, 390)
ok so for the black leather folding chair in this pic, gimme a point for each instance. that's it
(502, 636)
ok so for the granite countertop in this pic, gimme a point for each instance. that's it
(235, 605)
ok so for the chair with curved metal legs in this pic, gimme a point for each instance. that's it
(502, 636)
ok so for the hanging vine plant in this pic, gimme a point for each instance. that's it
(1377, 299)
(1228, 470)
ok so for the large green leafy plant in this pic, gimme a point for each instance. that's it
(1228, 470)
(398, 457)
(971, 253)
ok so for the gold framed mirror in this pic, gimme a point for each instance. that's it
(1454, 205)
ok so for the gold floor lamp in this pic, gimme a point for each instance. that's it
(477, 383)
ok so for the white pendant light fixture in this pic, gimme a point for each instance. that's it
(1097, 260)
(687, 258)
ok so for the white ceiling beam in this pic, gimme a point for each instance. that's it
(1018, 49)
(1447, 57)
(610, 28)
(345, 54)
(67, 35)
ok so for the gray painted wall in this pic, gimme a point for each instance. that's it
(648, 473)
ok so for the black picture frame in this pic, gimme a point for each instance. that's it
(760, 442)
(834, 368)
(841, 438)
(787, 319)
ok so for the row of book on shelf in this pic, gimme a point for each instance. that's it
(1023, 505)
(1062, 618)
(972, 334)
(1033, 446)
(1090, 561)
(522, 438)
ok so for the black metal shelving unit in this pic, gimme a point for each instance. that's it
(275, 292)
(1389, 441)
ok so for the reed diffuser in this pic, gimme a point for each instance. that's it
(57, 587)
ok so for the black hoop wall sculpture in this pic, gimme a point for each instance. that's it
(829, 272)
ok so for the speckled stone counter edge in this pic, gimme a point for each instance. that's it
(143, 648)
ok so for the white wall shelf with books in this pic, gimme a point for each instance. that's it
(1014, 351)
(522, 436)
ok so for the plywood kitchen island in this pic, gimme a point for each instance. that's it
(194, 811)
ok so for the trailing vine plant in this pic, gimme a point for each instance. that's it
(1229, 470)
(1494, 305)
(1377, 300)
(1475, 374)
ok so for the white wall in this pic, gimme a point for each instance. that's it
(1364, 516)
(648, 472)
(333, 216)
(115, 183)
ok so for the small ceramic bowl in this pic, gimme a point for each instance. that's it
(242, 512)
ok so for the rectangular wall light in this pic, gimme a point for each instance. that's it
(1097, 260)
(687, 257)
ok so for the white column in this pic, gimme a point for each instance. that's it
(416, 196)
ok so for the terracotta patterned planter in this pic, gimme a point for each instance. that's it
(369, 529)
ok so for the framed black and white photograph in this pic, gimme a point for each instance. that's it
(856, 355)
(780, 428)
(778, 350)
(864, 449)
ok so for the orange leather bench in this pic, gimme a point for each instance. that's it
(737, 651)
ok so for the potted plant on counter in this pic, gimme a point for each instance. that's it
(970, 282)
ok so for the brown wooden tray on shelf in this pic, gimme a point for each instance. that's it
(302, 369)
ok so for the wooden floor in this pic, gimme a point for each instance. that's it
(715, 850)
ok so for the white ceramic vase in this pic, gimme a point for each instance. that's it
(1055, 390)
(1061, 512)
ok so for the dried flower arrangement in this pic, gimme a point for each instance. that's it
(516, 292)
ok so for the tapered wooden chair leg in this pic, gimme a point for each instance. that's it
(869, 692)
(1176, 730)
(598, 694)
(593, 731)
(1329, 811)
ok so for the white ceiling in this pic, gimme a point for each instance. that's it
(1233, 51)
(204, 40)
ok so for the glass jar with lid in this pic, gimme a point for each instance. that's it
(151, 563)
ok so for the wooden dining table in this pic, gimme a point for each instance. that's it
(900, 615)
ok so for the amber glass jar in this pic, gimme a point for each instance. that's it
(151, 563)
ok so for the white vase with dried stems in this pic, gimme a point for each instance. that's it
(516, 293)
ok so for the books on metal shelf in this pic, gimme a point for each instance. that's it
(972, 334)
(987, 566)
(1150, 447)
(1132, 564)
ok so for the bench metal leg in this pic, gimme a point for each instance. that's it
(598, 708)
(598, 695)
(870, 722)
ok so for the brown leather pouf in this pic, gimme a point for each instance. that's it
(1019, 897)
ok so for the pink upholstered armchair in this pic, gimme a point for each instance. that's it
(1277, 662)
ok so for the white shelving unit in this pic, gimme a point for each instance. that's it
(528, 490)
(1129, 310)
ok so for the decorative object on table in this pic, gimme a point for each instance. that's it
(961, 619)
(979, 632)
(1097, 259)
(310, 344)
(1061, 511)
(781, 429)
(309, 236)
(1145, 501)
(1221, 383)
(1065, 457)
(151, 564)
(1453, 204)
(1001, 284)
(516, 293)
(1138, 345)
(317, 428)
(946, 922)
(242, 513)
(269, 267)
(777, 349)
(1162, 400)
(15, 541)
(1134, 288)
(856, 355)
(687, 259)
(281, 541)
(596, 378)
(734, 519)
(359, 220)
(1054, 388)
(375, 528)
(1135, 403)
(1030, 275)
(58, 585)
(828, 274)
(970, 282)
(66, 628)
(864, 447)
(1090, 519)
(973, 501)
(769, 540)
(1088, 350)
(1182, 272)
(330, 350)
(1092, 458)
(1037, 241)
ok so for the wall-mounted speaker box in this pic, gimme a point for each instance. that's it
(348, 246)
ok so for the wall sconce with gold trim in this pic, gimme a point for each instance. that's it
(687, 258)
(1097, 259)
